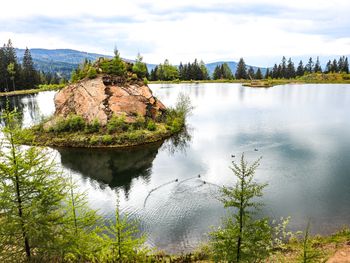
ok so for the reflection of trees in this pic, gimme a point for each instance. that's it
(179, 142)
(21, 104)
(115, 167)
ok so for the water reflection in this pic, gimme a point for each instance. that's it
(114, 167)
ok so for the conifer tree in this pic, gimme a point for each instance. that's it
(241, 71)
(300, 70)
(309, 66)
(139, 67)
(258, 74)
(290, 71)
(267, 74)
(242, 238)
(28, 71)
(317, 67)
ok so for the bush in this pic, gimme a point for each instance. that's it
(93, 127)
(116, 66)
(140, 122)
(92, 73)
(72, 123)
(116, 124)
(107, 139)
(151, 126)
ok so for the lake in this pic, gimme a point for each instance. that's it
(302, 133)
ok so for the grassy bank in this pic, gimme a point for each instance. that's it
(101, 138)
(33, 91)
(322, 248)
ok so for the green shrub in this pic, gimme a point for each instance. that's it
(92, 127)
(92, 73)
(140, 122)
(151, 126)
(94, 140)
(76, 123)
(72, 123)
(107, 139)
(115, 66)
(116, 124)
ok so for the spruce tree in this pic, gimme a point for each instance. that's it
(241, 71)
(346, 66)
(242, 238)
(28, 71)
(267, 74)
(300, 70)
(139, 67)
(309, 68)
(317, 67)
(290, 71)
(258, 74)
(283, 70)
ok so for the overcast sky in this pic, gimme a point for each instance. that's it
(258, 30)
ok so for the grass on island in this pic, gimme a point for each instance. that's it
(74, 131)
(43, 87)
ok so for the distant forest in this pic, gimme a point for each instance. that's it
(285, 70)
(25, 74)
(18, 76)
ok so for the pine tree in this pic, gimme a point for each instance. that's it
(275, 72)
(335, 68)
(241, 71)
(317, 67)
(242, 238)
(300, 70)
(283, 68)
(139, 67)
(28, 71)
(258, 74)
(290, 71)
(309, 66)
(267, 74)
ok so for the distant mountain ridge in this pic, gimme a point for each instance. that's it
(64, 61)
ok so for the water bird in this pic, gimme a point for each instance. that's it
(256, 149)
(199, 176)
(176, 180)
(233, 156)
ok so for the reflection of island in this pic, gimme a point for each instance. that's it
(115, 167)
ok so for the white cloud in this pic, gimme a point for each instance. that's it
(184, 29)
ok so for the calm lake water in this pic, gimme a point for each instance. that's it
(301, 131)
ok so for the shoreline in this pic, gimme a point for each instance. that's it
(247, 83)
(51, 87)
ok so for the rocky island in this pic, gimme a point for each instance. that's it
(108, 104)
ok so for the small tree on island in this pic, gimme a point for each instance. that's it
(242, 238)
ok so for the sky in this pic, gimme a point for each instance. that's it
(260, 31)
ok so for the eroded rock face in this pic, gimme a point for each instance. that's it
(103, 97)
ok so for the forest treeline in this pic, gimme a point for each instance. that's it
(15, 75)
(286, 69)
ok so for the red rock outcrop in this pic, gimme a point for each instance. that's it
(103, 97)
